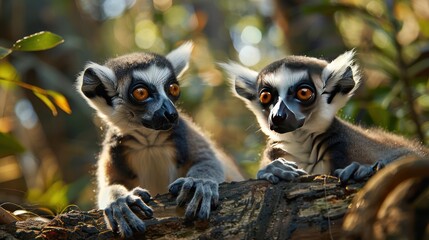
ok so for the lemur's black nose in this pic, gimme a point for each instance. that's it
(171, 116)
(169, 112)
(279, 113)
(278, 119)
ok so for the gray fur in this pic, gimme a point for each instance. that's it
(323, 144)
(149, 145)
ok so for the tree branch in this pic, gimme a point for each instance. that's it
(393, 204)
(311, 207)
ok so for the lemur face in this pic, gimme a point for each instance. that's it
(137, 89)
(296, 92)
(286, 94)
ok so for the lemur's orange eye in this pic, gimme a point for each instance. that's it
(304, 94)
(140, 94)
(265, 97)
(174, 89)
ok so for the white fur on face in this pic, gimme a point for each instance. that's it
(154, 75)
(284, 78)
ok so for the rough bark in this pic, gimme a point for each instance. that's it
(312, 207)
(394, 204)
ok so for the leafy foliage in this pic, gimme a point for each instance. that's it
(4, 52)
(35, 42)
(38, 42)
(9, 145)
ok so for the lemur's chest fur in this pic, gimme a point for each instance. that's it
(152, 158)
(307, 150)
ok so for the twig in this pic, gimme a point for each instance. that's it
(7, 217)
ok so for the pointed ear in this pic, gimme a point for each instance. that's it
(97, 82)
(341, 77)
(242, 79)
(179, 58)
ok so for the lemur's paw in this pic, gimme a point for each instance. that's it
(280, 169)
(142, 193)
(356, 171)
(205, 196)
(121, 215)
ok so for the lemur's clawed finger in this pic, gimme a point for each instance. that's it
(355, 171)
(187, 186)
(280, 169)
(142, 193)
(175, 187)
(122, 219)
(205, 196)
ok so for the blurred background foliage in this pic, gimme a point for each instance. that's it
(56, 168)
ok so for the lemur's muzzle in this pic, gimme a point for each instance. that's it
(164, 118)
(285, 119)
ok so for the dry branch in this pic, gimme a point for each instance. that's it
(394, 204)
(311, 208)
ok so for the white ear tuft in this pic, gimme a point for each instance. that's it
(242, 79)
(338, 67)
(97, 84)
(341, 77)
(180, 57)
(94, 75)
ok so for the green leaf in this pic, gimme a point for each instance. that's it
(8, 75)
(9, 145)
(379, 115)
(332, 8)
(47, 102)
(423, 101)
(38, 41)
(4, 52)
(419, 68)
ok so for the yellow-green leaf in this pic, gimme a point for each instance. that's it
(9, 145)
(38, 41)
(60, 101)
(8, 74)
(4, 52)
(47, 102)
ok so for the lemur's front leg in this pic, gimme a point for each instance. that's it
(122, 207)
(274, 167)
(202, 181)
(280, 169)
(205, 195)
(122, 201)
(358, 171)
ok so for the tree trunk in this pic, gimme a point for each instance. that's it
(311, 208)
(394, 204)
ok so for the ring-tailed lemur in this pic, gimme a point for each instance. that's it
(295, 101)
(149, 146)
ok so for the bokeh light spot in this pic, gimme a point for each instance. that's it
(162, 5)
(113, 8)
(25, 113)
(249, 55)
(146, 34)
(251, 35)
